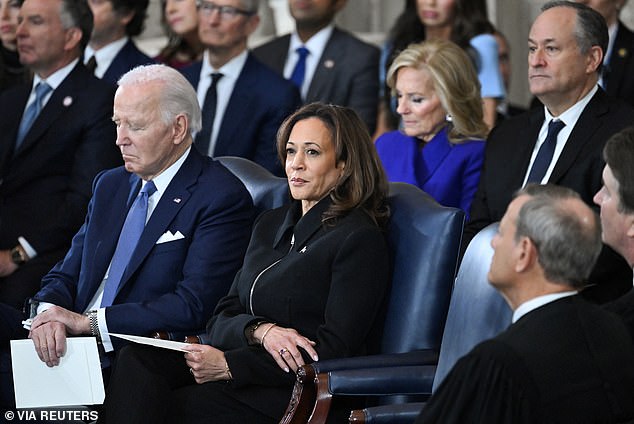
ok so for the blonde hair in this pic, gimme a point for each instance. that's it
(454, 80)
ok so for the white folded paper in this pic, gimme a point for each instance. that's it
(77, 380)
(165, 344)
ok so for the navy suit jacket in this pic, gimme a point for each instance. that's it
(128, 57)
(171, 286)
(45, 185)
(347, 73)
(579, 167)
(259, 103)
(620, 82)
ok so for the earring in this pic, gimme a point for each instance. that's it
(448, 117)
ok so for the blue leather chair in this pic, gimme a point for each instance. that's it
(477, 312)
(424, 240)
(266, 190)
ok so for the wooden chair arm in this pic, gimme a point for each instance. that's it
(303, 397)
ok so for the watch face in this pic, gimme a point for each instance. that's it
(16, 257)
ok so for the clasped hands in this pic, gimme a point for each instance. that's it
(206, 363)
(49, 329)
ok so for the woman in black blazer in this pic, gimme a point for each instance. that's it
(313, 279)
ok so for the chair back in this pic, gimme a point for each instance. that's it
(267, 191)
(424, 240)
(477, 311)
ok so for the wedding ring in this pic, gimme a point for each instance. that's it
(191, 371)
(44, 347)
(283, 351)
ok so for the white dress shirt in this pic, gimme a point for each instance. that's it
(105, 55)
(315, 45)
(570, 118)
(224, 88)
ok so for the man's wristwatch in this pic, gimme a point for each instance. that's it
(18, 256)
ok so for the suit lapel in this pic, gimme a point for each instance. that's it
(521, 151)
(107, 237)
(241, 97)
(435, 153)
(61, 100)
(175, 197)
(621, 52)
(321, 84)
(588, 123)
(12, 116)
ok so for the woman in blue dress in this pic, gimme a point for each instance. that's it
(440, 147)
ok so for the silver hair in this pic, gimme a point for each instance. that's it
(567, 247)
(250, 5)
(177, 96)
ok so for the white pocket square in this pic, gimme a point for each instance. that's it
(168, 236)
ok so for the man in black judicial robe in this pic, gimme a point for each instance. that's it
(563, 359)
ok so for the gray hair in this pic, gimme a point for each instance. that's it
(590, 28)
(177, 95)
(250, 5)
(77, 14)
(567, 247)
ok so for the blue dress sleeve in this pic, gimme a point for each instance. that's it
(488, 67)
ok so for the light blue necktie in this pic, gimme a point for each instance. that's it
(297, 77)
(41, 90)
(545, 152)
(128, 239)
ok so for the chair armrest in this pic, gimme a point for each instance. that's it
(409, 380)
(312, 393)
(402, 413)
(419, 357)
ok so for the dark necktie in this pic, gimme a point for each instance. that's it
(91, 65)
(545, 153)
(128, 239)
(203, 138)
(297, 77)
(41, 90)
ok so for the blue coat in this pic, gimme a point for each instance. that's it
(447, 172)
(260, 101)
(172, 286)
(128, 57)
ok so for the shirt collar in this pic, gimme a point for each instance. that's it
(162, 180)
(57, 77)
(315, 44)
(572, 114)
(105, 55)
(538, 301)
(230, 70)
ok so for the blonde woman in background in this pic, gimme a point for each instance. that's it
(440, 147)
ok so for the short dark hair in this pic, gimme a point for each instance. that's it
(618, 154)
(77, 13)
(567, 247)
(590, 29)
(139, 7)
(363, 183)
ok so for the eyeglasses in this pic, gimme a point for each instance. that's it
(207, 8)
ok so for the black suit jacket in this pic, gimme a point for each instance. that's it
(45, 185)
(620, 82)
(347, 73)
(328, 285)
(580, 166)
(565, 362)
(128, 57)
